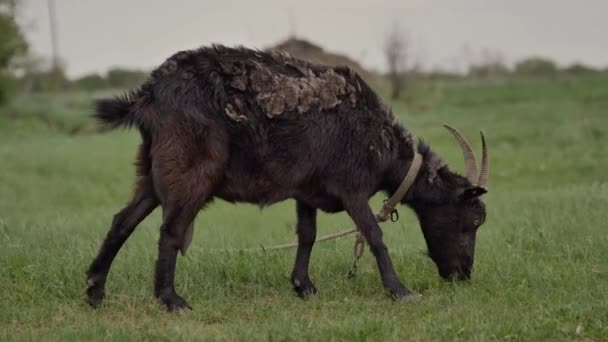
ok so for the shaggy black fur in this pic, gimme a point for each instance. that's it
(249, 126)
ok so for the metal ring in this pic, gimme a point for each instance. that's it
(394, 215)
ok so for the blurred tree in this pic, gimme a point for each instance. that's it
(396, 52)
(125, 78)
(9, 7)
(536, 66)
(12, 46)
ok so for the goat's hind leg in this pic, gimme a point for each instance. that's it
(124, 223)
(180, 208)
(185, 174)
(176, 223)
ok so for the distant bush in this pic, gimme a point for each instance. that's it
(90, 82)
(440, 75)
(125, 78)
(579, 68)
(39, 77)
(488, 70)
(42, 80)
(537, 66)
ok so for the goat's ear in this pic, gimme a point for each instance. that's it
(472, 192)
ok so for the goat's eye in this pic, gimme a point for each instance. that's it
(476, 222)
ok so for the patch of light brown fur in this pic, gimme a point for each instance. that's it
(277, 93)
(434, 164)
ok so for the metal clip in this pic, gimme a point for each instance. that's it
(353, 272)
(394, 215)
(358, 250)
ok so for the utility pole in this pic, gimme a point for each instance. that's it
(54, 43)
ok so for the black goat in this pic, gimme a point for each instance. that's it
(251, 126)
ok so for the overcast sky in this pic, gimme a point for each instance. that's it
(97, 34)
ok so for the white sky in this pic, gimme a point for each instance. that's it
(97, 34)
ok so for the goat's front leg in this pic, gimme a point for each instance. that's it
(361, 213)
(307, 232)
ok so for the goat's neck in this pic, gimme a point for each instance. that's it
(396, 174)
(421, 189)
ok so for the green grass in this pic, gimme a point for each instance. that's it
(541, 269)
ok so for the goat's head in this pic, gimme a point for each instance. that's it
(450, 224)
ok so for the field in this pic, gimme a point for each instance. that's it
(541, 266)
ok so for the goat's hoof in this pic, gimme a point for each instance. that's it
(304, 288)
(95, 295)
(401, 293)
(173, 302)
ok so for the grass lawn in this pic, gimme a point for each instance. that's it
(541, 264)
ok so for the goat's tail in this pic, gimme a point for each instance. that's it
(118, 111)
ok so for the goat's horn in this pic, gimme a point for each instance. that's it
(469, 158)
(485, 163)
